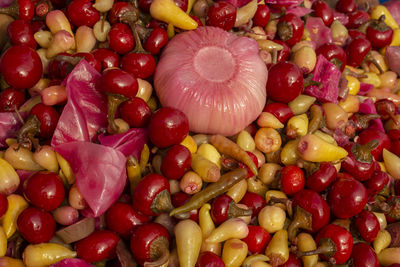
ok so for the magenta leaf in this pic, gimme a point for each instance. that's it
(86, 110)
(100, 173)
(328, 75)
(129, 143)
(319, 33)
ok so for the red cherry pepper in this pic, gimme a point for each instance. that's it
(290, 28)
(357, 49)
(359, 162)
(152, 195)
(324, 11)
(223, 208)
(281, 111)
(253, 201)
(334, 53)
(364, 256)
(322, 178)
(122, 219)
(98, 246)
(149, 242)
(347, 197)
(368, 135)
(367, 225)
(311, 212)
(208, 259)
(179, 199)
(257, 239)
(379, 33)
(334, 244)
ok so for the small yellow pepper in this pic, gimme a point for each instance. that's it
(380, 10)
(353, 84)
(169, 12)
(16, 204)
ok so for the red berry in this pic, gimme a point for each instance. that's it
(98, 246)
(44, 190)
(136, 112)
(82, 12)
(21, 32)
(257, 239)
(48, 119)
(367, 225)
(176, 162)
(116, 81)
(140, 65)
(292, 179)
(120, 38)
(262, 15)
(222, 14)
(157, 39)
(36, 226)
(168, 126)
(15, 70)
(11, 99)
(107, 58)
(122, 219)
(285, 82)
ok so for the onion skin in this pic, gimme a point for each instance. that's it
(220, 96)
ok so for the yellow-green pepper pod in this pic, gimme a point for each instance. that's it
(169, 12)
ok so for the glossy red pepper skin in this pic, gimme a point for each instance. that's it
(347, 197)
(98, 246)
(357, 49)
(314, 204)
(179, 199)
(376, 183)
(257, 239)
(334, 53)
(145, 237)
(322, 178)
(367, 225)
(364, 256)
(379, 34)
(146, 192)
(281, 111)
(122, 219)
(342, 240)
(253, 201)
(368, 135)
(290, 29)
(361, 170)
(209, 259)
(324, 11)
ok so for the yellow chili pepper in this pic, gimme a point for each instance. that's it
(7, 261)
(16, 204)
(3, 242)
(167, 11)
(190, 144)
(372, 78)
(380, 10)
(353, 84)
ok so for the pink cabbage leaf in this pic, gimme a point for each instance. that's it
(100, 173)
(9, 125)
(129, 143)
(365, 88)
(328, 75)
(299, 11)
(368, 107)
(86, 110)
(319, 33)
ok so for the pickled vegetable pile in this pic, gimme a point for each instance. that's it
(199, 133)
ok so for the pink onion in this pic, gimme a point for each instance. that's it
(392, 57)
(298, 11)
(394, 8)
(215, 77)
(5, 3)
(9, 125)
(368, 107)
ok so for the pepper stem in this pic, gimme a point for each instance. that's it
(162, 202)
(363, 152)
(285, 31)
(234, 211)
(12, 10)
(285, 201)
(363, 120)
(26, 134)
(326, 247)
(159, 252)
(302, 219)
(308, 82)
(369, 58)
(114, 100)
(131, 19)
